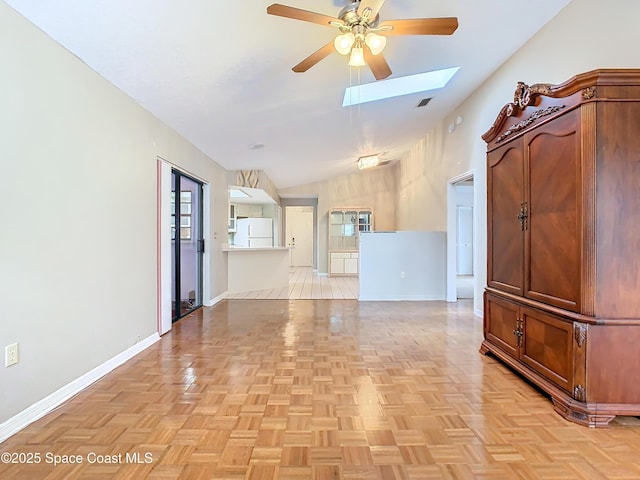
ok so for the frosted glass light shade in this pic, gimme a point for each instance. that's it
(357, 57)
(376, 43)
(344, 42)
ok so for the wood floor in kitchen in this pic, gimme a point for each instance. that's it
(320, 389)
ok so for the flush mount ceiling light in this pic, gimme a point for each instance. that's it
(362, 35)
(368, 161)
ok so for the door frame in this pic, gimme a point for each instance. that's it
(452, 230)
(164, 246)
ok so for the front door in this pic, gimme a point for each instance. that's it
(300, 236)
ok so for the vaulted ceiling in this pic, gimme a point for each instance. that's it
(219, 73)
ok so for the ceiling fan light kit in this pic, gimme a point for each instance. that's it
(362, 36)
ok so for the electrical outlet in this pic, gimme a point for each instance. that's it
(10, 354)
(402, 275)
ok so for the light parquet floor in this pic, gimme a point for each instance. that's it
(321, 389)
(306, 284)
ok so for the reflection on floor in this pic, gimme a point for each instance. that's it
(305, 284)
(318, 390)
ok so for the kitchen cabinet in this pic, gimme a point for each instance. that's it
(345, 226)
(343, 263)
(252, 210)
(232, 218)
(563, 221)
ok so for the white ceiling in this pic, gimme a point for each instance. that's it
(220, 74)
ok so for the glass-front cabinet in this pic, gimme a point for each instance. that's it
(345, 225)
(232, 218)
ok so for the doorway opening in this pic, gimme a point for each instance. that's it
(461, 245)
(187, 244)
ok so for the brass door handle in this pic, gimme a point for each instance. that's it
(519, 333)
(523, 215)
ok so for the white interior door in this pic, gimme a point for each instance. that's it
(464, 241)
(300, 236)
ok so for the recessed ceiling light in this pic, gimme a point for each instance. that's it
(396, 87)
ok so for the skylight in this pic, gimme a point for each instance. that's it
(237, 193)
(395, 87)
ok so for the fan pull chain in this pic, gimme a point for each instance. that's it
(351, 94)
(359, 116)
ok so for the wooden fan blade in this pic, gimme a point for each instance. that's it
(420, 26)
(314, 58)
(299, 14)
(377, 63)
(374, 5)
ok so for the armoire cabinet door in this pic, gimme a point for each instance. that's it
(542, 341)
(505, 191)
(553, 237)
(547, 346)
(501, 324)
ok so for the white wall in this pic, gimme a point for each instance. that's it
(586, 35)
(402, 266)
(78, 248)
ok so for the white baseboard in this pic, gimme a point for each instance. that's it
(217, 299)
(478, 312)
(49, 403)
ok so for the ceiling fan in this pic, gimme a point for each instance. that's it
(362, 35)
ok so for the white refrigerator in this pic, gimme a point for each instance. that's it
(254, 232)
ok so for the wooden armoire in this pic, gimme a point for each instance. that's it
(562, 302)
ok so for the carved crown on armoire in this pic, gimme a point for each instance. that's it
(562, 302)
